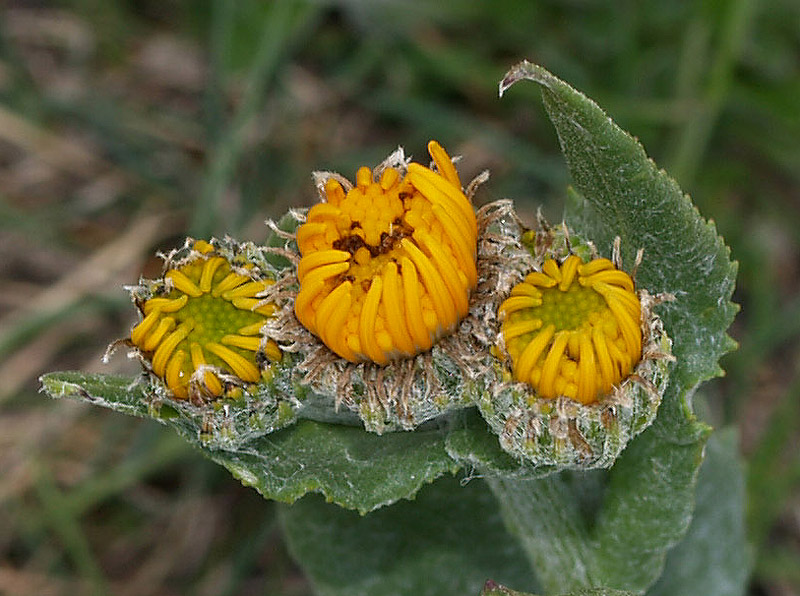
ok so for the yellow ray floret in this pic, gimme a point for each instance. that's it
(573, 328)
(204, 326)
(387, 268)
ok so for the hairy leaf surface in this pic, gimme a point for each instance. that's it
(713, 558)
(447, 542)
(625, 194)
(648, 496)
(349, 466)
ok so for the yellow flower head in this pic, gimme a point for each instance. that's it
(573, 329)
(387, 266)
(203, 325)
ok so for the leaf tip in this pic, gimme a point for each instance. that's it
(524, 70)
(52, 386)
(492, 588)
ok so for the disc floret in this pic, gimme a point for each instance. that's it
(573, 329)
(387, 266)
(202, 325)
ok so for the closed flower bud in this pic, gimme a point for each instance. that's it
(201, 326)
(573, 328)
(582, 356)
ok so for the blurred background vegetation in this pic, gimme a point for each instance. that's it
(127, 124)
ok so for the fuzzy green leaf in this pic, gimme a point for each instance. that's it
(625, 194)
(471, 442)
(350, 467)
(605, 529)
(545, 517)
(492, 589)
(123, 394)
(713, 559)
(447, 542)
(647, 508)
(647, 498)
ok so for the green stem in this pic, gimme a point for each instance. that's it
(639, 510)
(544, 516)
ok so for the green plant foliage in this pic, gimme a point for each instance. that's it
(648, 498)
(230, 424)
(584, 533)
(625, 194)
(121, 394)
(472, 443)
(713, 558)
(350, 467)
(492, 589)
(447, 542)
(646, 506)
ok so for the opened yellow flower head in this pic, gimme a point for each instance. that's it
(387, 266)
(573, 329)
(201, 326)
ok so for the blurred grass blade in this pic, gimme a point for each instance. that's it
(68, 529)
(696, 132)
(770, 482)
(220, 41)
(167, 451)
(280, 25)
(492, 589)
(91, 277)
